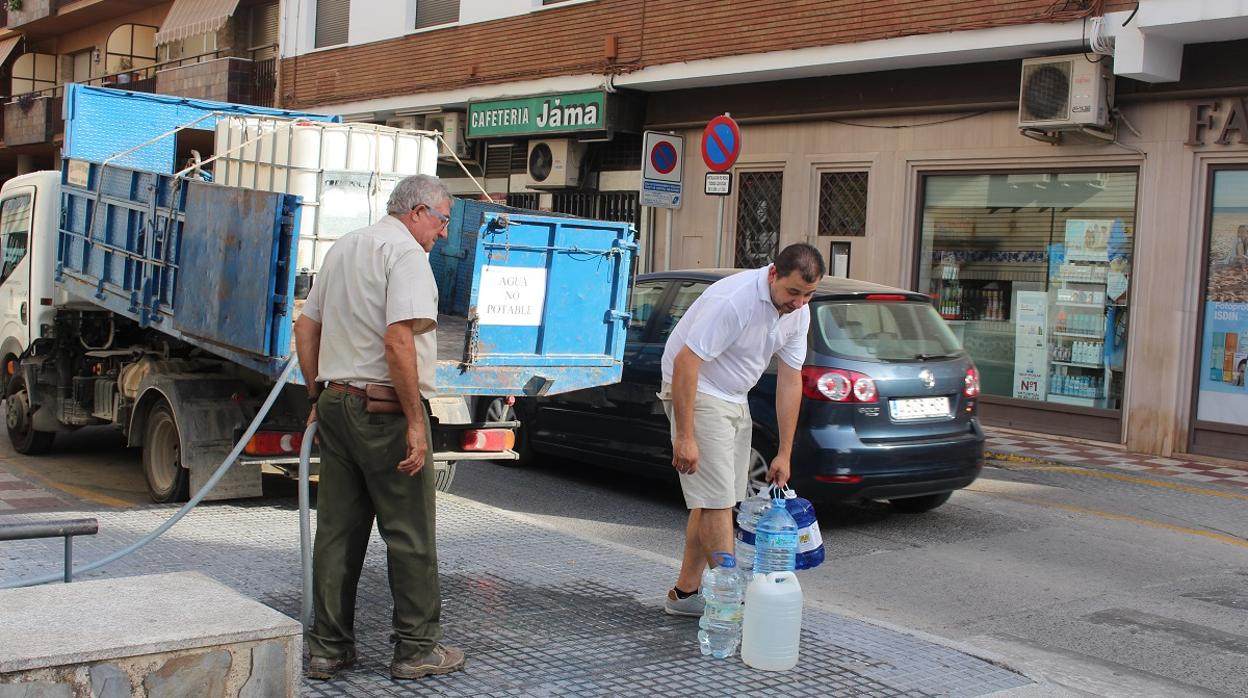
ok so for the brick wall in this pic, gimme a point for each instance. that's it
(570, 40)
(223, 80)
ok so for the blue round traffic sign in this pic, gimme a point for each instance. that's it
(663, 157)
(721, 143)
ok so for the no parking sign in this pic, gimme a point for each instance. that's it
(661, 169)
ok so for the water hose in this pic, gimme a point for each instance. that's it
(186, 508)
(305, 527)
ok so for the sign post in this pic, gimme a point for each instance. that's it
(721, 145)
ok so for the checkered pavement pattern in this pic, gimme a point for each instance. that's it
(1002, 444)
(18, 494)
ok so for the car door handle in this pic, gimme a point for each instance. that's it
(22, 312)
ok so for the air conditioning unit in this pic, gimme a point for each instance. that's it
(1065, 92)
(410, 123)
(451, 124)
(554, 163)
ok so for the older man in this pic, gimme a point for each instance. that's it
(367, 337)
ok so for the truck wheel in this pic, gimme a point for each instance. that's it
(497, 410)
(167, 480)
(443, 474)
(19, 419)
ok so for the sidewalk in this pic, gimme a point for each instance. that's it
(540, 612)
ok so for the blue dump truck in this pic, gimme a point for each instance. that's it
(152, 284)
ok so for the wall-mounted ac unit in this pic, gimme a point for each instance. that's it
(554, 163)
(410, 123)
(451, 124)
(1065, 92)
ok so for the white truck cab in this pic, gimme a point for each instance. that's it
(30, 210)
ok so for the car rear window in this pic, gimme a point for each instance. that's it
(881, 330)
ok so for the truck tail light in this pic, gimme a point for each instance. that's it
(837, 385)
(488, 440)
(274, 443)
(971, 383)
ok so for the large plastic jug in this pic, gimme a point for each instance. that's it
(773, 622)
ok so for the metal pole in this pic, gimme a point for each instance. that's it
(69, 559)
(719, 235)
(667, 251)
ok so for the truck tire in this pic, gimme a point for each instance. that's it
(167, 480)
(18, 419)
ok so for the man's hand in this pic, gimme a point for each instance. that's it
(417, 449)
(778, 474)
(685, 455)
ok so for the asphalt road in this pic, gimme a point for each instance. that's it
(1100, 581)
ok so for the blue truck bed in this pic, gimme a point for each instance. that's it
(542, 311)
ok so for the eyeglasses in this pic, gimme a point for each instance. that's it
(444, 220)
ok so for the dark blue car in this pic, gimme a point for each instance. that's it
(888, 408)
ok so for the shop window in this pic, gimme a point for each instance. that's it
(758, 218)
(432, 13)
(1222, 389)
(1032, 271)
(14, 233)
(333, 19)
(843, 203)
(130, 46)
(33, 72)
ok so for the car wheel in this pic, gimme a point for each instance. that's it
(497, 410)
(760, 462)
(167, 480)
(19, 420)
(918, 505)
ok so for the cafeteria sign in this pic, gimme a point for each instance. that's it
(562, 113)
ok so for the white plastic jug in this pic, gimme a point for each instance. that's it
(773, 622)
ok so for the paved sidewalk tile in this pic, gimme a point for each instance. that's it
(539, 612)
(18, 494)
(1012, 445)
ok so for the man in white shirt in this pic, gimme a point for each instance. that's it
(367, 348)
(714, 356)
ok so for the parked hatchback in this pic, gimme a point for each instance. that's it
(888, 407)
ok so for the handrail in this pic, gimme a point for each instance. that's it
(60, 528)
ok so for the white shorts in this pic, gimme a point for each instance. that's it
(722, 430)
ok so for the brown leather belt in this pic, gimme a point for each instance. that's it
(347, 388)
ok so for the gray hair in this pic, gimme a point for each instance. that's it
(413, 191)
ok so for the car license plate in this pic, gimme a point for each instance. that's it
(919, 408)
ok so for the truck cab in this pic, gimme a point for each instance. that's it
(29, 211)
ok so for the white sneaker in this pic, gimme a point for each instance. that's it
(689, 606)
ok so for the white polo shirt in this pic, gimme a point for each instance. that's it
(370, 279)
(735, 329)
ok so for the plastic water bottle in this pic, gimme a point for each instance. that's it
(775, 547)
(809, 539)
(749, 512)
(723, 588)
(773, 622)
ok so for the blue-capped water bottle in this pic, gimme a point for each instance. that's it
(749, 512)
(775, 541)
(723, 589)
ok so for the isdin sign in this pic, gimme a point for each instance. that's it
(561, 113)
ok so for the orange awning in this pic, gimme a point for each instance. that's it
(190, 17)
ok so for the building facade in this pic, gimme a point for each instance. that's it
(209, 49)
(1093, 261)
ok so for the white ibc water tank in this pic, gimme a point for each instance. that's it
(344, 172)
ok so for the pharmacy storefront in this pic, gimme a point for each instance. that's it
(1033, 270)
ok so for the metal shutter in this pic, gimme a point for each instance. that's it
(333, 17)
(264, 19)
(431, 13)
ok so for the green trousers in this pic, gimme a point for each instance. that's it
(359, 480)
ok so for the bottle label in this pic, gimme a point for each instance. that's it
(726, 612)
(783, 541)
(809, 538)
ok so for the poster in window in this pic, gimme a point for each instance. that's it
(1031, 358)
(1087, 240)
(1224, 359)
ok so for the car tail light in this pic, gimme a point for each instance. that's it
(488, 440)
(840, 479)
(837, 385)
(274, 443)
(971, 383)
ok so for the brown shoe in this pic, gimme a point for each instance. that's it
(324, 668)
(440, 660)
